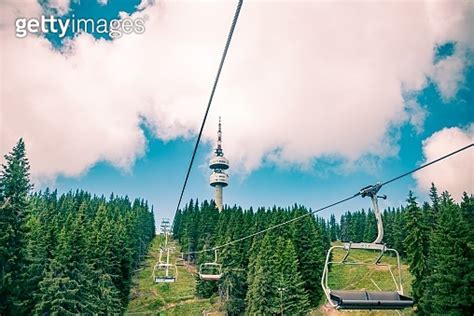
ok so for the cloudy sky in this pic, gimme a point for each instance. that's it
(317, 98)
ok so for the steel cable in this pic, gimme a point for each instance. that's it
(216, 80)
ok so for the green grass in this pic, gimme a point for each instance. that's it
(148, 298)
(178, 298)
(354, 277)
(188, 308)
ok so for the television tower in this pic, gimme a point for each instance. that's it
(219, 179)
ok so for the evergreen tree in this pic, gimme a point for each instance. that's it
(467, 208)
(58, 292)
(37, 255)
(257, 278)
(449, 287)
(72, 254)
(435, 199)
(334, 228)
(416, 244)
(399, 231)
(432, 212)
(309, 244)
(370, 227)
(277, 285)
(14, 188)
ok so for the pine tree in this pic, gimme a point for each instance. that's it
(399, 231)
(294, 298)
(416, 244)
(435, 199)
(277, 285)
(308, 241)
(36, 252)
(370, 227)
(448, 287)
(334, 228)
(14, 189)
(432, 212)
(57, 294)
(467, 207)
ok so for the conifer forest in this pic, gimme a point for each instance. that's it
(77, 253)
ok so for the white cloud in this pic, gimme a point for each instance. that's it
(144, 4)
(61, 6)
(302, 80)
(448, 74)
(102, 2)
(452, 21)
(416, 115)
(456, 174)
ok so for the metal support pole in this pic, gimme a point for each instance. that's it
(378, 217)
(168, 263)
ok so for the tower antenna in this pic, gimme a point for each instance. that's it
(218, 164)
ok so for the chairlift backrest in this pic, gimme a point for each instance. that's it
(210, 271)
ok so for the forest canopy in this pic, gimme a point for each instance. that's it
(285, 264)
(76, 252)
(66, 254)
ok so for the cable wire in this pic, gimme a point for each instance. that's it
(216, 80)
(328, 206)
(273, 227)
(428, 164)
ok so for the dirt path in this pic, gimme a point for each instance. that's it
(326, 309)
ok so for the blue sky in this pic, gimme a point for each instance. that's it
(158, 173)
(158, 177)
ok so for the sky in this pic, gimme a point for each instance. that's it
(318, 99)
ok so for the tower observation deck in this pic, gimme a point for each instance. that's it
(218, 164)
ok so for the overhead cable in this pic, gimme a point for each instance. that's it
(216, 80)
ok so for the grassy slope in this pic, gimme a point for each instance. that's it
(148, 298)
(350, 277)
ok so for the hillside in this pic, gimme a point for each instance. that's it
(148, 298)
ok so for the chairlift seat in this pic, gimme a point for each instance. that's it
(370, 300)
(165, 279)
(161, 273)
(210, 277)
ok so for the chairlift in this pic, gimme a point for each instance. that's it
(210, 271)
(165, 272)
(363, 299)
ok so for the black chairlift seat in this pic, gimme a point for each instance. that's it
(370, 300)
